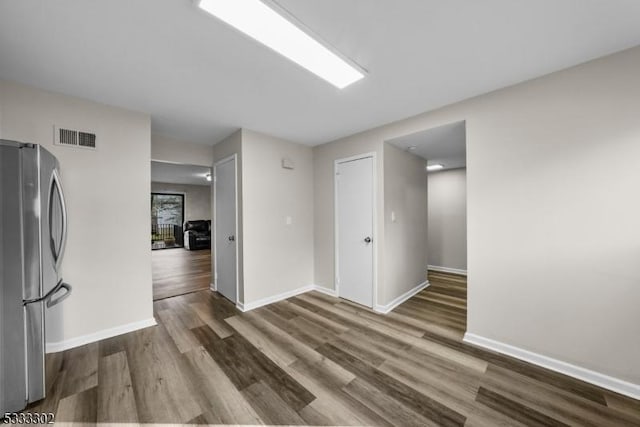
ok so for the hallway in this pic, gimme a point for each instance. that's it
(179, 271)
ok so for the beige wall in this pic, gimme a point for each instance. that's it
(448, 219)
(228, 147)
(274, 257)
(278, 258)
(172, 150)
(324, 157)
(197, 198)
(405, 237)
(108, 260)
(553, 236)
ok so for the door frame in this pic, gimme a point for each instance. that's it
(336, 231)
(234, 158)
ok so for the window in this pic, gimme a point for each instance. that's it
(167, 217)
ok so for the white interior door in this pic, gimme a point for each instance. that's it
(225, 228)
(354, 222)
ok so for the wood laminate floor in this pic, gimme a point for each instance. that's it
(179, 271)
(317, 360)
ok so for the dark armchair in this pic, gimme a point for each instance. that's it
(197, 234)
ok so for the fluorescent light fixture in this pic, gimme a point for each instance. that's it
(264, 24)
(434, 167)
(208, 177)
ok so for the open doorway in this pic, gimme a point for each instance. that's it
(180, 228)
(444, 302)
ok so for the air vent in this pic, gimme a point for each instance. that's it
(87, 140)
(74, 138)
(68, 137)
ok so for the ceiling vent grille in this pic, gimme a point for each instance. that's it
(74, 138)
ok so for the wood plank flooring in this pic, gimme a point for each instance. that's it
(317, 360)
(179, 271)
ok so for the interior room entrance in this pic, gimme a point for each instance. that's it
(180, 228)
(444, 148)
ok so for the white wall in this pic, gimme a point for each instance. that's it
(273, 257)
(197, 198)
(405, 196)
(394, 276)
(448, 219)
(278, 258)
(553, 235)
(107, 261)
(166, 149)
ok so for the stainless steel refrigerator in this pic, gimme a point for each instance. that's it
(33, 232)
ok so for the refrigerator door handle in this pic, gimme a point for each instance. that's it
(58, 252)
(48, 297)
(51, 301)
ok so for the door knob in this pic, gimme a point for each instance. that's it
(232, 238)
(367, 239)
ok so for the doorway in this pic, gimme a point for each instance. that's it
(443, 150)
(354, 223)
(180, 228)
(226, 228)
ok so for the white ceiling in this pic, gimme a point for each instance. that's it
(445, 145)
(179, 174)
(200, 79)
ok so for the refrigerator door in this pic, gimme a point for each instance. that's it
(34, 326)
(52, 235)
(13, 390)
(33, 219)
(32, 239)
(53, 224)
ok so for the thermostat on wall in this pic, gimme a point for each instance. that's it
(287, 163)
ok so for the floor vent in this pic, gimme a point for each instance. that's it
(74, 138)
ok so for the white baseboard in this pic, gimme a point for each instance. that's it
(402, 298)
(212, 286)
(54, 347)
(447, 270)
(275, 298)
(283, 296)
(586, 375)
(327, 291)
(331, 292)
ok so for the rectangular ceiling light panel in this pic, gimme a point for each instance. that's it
(262, 23)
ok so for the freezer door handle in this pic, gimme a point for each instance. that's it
(54, 301)
(48, 297)
(58, 251)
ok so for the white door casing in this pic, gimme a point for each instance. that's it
(225, 228)
(354, 223)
